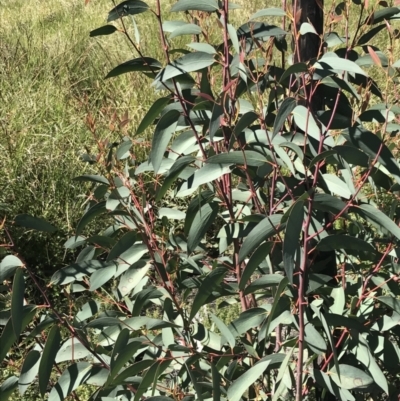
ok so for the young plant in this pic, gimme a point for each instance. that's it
(253, 194)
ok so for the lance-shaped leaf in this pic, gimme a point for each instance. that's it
(29, 370)
(142, 64)
(8, 266)
(375, 148)
(94, 211)
(207, 173)
(249, 157)
(260, 233)
(34, 223)
(240, 385)
(173, 174)
(350, 377)
(294, 225)
(7, 387)
(7, 337)
(334, 63)
(333, 242)
(200, 225)
(306, 122)
(284, 111)
(104, 30)
(129, 7)
(162, 135)
(70, 350)
(254, 262)
(226, 333)
(269, 12)
(187, 29)
(211, 281)
(153, 112)
(190, 62)
(48, 357)
(17, 301)
(378, 218)
(71, 378)
(198, 5)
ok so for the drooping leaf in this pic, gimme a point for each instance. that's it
(123, 149)
(151, 376)
(366, 37)
(29, 370)
(314, 340)
(200, 5)
(306, 122)
(128, 7)
(17, 301)
(132, 277)
(212, 280)
(263, 282)
(254, 262)
(7, 387)
(337, 186)
(190, 62)
(173, 174)
(375, 148)
(104, 30)
(342, 241)
(377, 217)
(294, 226)
(152, 113)
(145, 64)
(187, 29)
(101, 276)
(240, 385)
(34, 223)
(209, 172)
(162, 135)
(8, 266)
(248, 319)
(202, 47)
(71, 379)
(7, 337)
(245, 157)
(260, 233)
(383, 14)
(48, 357)
(334, 63)
(99, 179)
(284, 111)
(350, 377)
(269, 12)
(72, 349)
(123, 244)
(392, 302)
(93, 212)
(200, 225)
(226, 333)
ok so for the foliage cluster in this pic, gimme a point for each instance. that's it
(248, 197)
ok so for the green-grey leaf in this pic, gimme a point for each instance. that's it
(254, 262)
(35, 223)
(330, 62)
(248, 157)
(294, 225)
(190, 62)
(145, 64)
(162, 135)
(198, 5)
(104, 30)
(333, 242)
(48, 357)
(129, 7)
(285, 109)
(350, 377)
(8, 266)
(99, 179)
(93, 212)
(212, 280)
(240, 385)
(152, 113)
(7, 387)
(226, 333)
(29, 370)
(187, 29)
(17, 301)
(269, 12)
(71, 378)
(260, 233)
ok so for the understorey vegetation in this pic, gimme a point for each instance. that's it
(242, 241)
